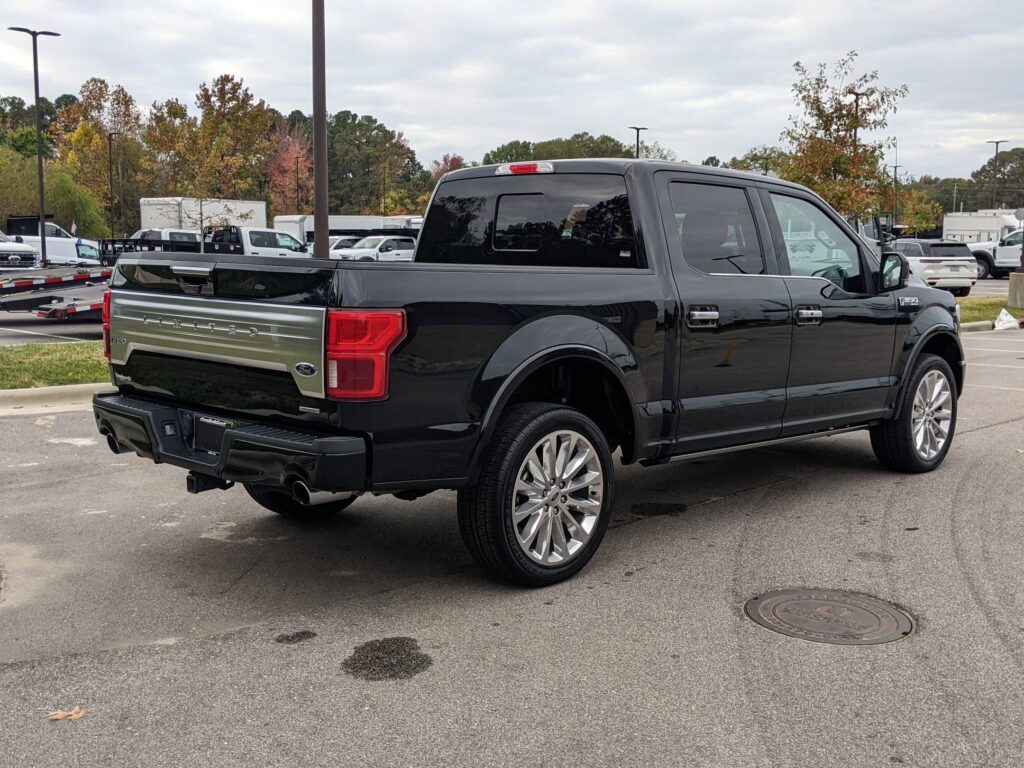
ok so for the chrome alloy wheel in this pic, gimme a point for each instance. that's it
(932, 416)
(557, 498)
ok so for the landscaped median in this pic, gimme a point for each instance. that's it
(979, 309)
(48, 365)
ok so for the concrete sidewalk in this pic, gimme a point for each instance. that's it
(70, 397)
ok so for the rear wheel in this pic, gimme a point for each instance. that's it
(282, 502)
(919, 438)
(544, 498)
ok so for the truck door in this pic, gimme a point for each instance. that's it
(734, 333)
(840, 368)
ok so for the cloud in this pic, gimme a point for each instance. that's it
(459, 76)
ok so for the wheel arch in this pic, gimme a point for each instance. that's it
(939, 340)
(578, 375)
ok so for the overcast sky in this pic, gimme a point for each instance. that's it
(454, 76)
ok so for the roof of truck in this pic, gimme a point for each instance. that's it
(620, 165)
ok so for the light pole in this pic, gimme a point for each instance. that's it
(856, 115)
(39, 135)
(110, 172)
(995, 170)
(637, 128)
(297, 208)
(320, 233)
(895, 194)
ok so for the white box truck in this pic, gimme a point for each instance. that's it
(194, 213)
(978, 226)
(301, 226)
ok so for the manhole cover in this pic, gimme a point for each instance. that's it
(826, 616)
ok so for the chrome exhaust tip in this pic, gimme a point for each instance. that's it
(307, 497)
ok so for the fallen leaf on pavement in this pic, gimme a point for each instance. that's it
(67, 714)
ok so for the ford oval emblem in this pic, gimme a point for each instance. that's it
(305, 369)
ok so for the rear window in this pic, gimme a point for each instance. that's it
(951, 251)
(562, 220)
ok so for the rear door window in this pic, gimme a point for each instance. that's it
(561, 220)
(716, 229)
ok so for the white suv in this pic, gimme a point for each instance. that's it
(378, 248)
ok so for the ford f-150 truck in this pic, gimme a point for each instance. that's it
(554, 313)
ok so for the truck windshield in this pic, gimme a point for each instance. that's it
(368, 242)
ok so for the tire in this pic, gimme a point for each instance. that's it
(282, 503)
(960, 291)
(984, 266)
(894, 440)
(486, 509)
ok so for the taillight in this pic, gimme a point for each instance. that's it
(511, 169)
(106, 324)
(358, 351)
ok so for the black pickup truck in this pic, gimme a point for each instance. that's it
(555, 312)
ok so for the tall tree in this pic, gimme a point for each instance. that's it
(1007, 170)
(289, 172)
(448, 162)
(829, 149)
(760, 159)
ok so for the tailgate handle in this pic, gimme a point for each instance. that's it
(184, 271)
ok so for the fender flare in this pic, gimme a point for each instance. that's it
(532, 364)
(930, 333)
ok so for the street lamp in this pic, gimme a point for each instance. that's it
(39, 135)
(995, 170)
(856, 114)
(110, 171)
(637, 128)
(895, 193)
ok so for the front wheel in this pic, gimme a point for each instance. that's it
(984, 268)
(544, 498)
(919, 438)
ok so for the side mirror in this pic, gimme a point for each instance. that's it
(304, 248)
(19, 239)
(894, 272)
(1002, 241)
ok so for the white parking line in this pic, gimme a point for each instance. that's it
(994, 365)
(38, 333)
(992, 349)
(988, 386)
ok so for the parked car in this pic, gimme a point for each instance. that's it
(998, 258)
(14, 255)
(252, 241)
(555, 312)
(941, 263)
(65, 251)
(377, 248)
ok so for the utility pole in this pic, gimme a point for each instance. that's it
(297, 208)
(110, 172)
(637, 128)
(995, 169)
(320, 234)
(39, 136)
(954, 197)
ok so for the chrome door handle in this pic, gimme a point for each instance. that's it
(702, 317)
(808, 315)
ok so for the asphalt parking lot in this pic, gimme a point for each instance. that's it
(991, 287)
(201, 630)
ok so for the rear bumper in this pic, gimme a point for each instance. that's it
(250, 452)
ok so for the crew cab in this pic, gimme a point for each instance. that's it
(999, 257)
(555, 313)
(377, 248)
(941, 264)
(251, 241)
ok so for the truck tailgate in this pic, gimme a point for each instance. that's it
(243, 337)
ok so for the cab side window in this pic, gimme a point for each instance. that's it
(816, 246)
(716, 229)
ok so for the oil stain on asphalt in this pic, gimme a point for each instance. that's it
(295, 637)
(391, 658)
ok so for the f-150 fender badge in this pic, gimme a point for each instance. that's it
(909, 302)
(305, 369)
